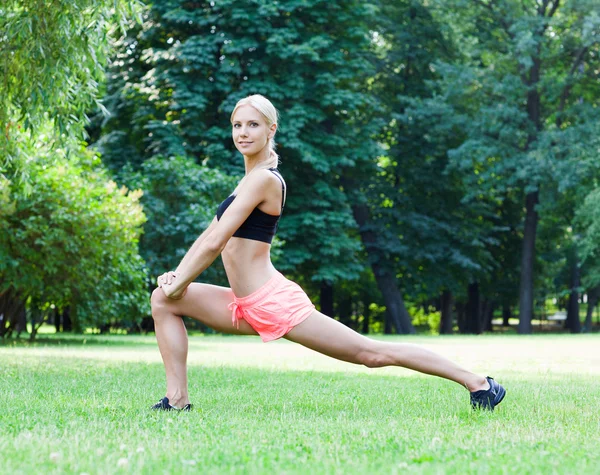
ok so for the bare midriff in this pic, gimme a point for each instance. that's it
(247, 264)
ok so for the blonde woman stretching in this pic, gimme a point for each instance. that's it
(261, 301)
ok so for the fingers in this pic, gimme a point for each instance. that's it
(166, 279)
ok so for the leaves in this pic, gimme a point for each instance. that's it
(73, 242)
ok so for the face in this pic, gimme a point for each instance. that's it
(250, 131)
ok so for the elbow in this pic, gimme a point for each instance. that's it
(214, 245)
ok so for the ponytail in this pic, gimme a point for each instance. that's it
(273, 157)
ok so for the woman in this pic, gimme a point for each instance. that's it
(261, 301)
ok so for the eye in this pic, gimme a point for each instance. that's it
(254, 124)
(235, 126)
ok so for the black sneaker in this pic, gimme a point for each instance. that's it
(489, 398)
(163, 405)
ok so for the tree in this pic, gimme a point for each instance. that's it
(527, 89)
(413, 225)
(177, 78)
(588, 222)
(52, 57)
(72, 243)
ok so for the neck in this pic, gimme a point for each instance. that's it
(258, 161)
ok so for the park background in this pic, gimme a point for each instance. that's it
(442, 164)
(441, 156)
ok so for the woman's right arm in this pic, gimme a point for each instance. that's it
(196, 244)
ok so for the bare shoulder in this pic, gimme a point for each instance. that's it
(264, 188)
(263, 179)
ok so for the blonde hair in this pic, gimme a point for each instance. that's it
(271, 116)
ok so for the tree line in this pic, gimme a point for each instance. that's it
(440, 156)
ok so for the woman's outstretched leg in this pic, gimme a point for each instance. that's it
(205, 303)
(330, 337)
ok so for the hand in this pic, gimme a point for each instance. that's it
(166, 279)
(167, 283)
(173, 294)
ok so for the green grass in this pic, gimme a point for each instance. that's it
(79, 405)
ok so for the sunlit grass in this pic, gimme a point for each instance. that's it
(80, 407)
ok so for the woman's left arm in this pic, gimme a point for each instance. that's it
(252, 194)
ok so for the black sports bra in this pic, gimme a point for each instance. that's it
(259, 226)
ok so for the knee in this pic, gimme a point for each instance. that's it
(157, 302)
(373, 357)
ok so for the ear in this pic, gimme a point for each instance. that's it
(272, 130)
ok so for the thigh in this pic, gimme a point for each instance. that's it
(330, 337)
(207, 304)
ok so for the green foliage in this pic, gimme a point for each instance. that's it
(425, 112)
(431, 241)
(524, 94)
(178, 77)
(588, 220)
(180, 198)
(69, 235)
(428, 318)
(73, 242)
(51, 57)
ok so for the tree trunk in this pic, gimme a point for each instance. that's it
(573, 323)
(366, 318)
(345, 311)
(76, 325)
(396, 313)
(488, 315)
(326, 298)
(395, 308)
(534, 111)
(388, 329)
(592, 301)
(506, 315)
(36, 316)
(527, 260)
(21, 320)
(473, 314)
(12, 309)
(67, 326)
(461, 317)
(446, 311)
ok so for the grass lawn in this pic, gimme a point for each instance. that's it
(80, 405)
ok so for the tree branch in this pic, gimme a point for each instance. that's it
(567, 89)
(578, 59)
(554, 8)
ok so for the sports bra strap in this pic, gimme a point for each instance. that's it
(278, 175)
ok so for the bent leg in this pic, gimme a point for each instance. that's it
(205, 303)
(332, 338)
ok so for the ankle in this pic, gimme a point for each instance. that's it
(478, 383)
(178, 400)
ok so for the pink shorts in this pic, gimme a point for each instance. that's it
(274, 309)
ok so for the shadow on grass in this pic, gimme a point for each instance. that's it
(76, 339)
(69, 339)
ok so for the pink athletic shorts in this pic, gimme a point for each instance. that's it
(274, 309)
